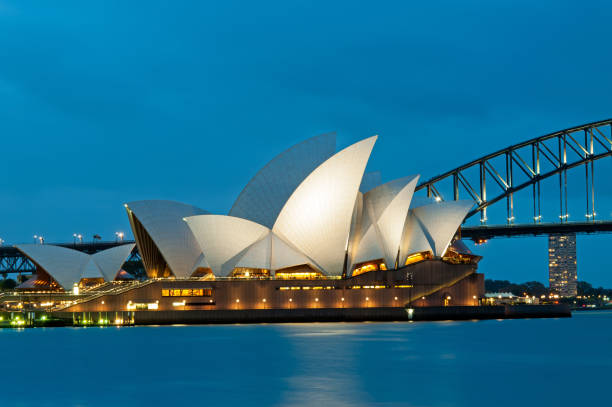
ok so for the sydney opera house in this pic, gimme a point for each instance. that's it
(309, 231)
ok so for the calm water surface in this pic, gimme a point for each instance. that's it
(561, 362)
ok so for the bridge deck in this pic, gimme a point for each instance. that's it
(535, 229)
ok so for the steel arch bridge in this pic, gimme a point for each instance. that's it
(525, 166)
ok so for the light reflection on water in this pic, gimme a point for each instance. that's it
(557, 361)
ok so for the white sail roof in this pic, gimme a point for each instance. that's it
(69, 266)
(91, 270)
(163, 221)
(221, 238)
(389, 205)
(65, 265)
(110, 260)
(356, 230)
(258, 254)
(370, 247)
(382, 225)
(269, 252)
(285, 255)
(264, 196)
(316, 219)
(414, 239)
(440, 221)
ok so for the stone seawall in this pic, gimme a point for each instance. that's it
(343, 314)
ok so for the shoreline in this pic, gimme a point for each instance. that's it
(301, 315)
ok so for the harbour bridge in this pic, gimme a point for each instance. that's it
(497, 178)
(489, 181)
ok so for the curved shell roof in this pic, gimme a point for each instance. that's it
(355, 232)
(222, 238)
(317, 217)
(264, 196)
(414, 239)
(285, 255)
(63, 264)
(370, 247)
(273, 253)
(163, 221)
(437, 222)
(257, 255)
(69, 266)
(385, 211)
(110, 260)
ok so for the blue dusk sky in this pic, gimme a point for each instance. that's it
(105, 102)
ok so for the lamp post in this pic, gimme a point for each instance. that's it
(409, 276)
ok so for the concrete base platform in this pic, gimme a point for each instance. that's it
(337, 314)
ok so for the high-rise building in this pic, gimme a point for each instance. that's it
(562, 269)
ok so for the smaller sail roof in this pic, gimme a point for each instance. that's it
(257, 255)
(414, 239)
(222, 238)
(65, 265)
(437, 222)
(68, 266)
(109, 261)
(163, 221)
(387, 207)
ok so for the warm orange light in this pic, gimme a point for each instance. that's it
(417, 257)
(298, 275)
(369, 267)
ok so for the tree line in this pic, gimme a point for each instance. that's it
(538, 289)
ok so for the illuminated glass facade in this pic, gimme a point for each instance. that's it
(562, 268)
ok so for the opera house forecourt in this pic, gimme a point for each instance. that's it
(310, 237)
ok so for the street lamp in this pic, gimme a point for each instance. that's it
(119, 236)
(409, 277)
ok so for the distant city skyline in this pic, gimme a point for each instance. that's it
(102, 104)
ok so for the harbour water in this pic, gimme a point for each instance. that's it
(560, 362)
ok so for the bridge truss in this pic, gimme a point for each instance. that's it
(499, 176)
